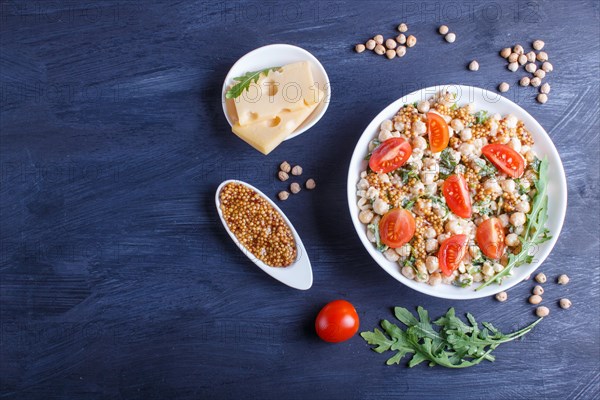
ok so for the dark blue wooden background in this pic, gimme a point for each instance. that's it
(118, 280)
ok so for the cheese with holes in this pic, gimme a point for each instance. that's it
(290, 88)
(267, 134)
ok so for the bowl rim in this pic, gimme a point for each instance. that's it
(559, 179)
(316, 115)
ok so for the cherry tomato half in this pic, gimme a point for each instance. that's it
(490, 238)
(390, 155)
(456, 193)
(337, 321)
(397, 227)
(438, 132)
(451, 253)
(505, 159)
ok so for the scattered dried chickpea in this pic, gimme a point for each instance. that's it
(524, 81)
(283, 195)
(542, 311)
(540, 73)
(540, 278)
(531, 67)
(411, 41)
(391, 44)
(563, 279)
(547, 66)
(283, 176)
(522, 59)
(513, 57)
(502, 297)
(285, 167)
(474, 65)
(535, 81)
(370, 45)
(542, 98)
(505, 52)
(359, 48)
(565, 304)
(542, 56)
(518, 49)
(378, 39)
(538, 290)
(379, 49)
(401, 38)
(538, 44)
(545, 88)
(535, 299)
(503, 87)
(513, 66)
(297, 170)
(402, 27)
(401, 51)
(531, 56)
(295, 188)
(390, 54)
(310, 184)
(443, 29)
(450, 37)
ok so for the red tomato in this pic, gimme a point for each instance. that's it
(337, 321)
(390, 155)
(397, 227)
(490, 238)
(505, 159)
(456, 193)
(438, 132)
(451, 253)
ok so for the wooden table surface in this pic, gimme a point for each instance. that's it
(118, 280)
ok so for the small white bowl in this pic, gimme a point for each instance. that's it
(299, 274)
(275, 55)
(493, 103)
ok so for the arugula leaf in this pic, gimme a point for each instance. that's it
(535, 229)
(455, 344)
(481, 117)
(447, 163)
(244, 81)
(454, 106)
(407, 172)
(535, 164)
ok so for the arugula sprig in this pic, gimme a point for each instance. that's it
(455, 344)
(535, 230)
(447, 163)
(244, 81)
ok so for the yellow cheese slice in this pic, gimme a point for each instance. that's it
(290, 88)
(265, 135)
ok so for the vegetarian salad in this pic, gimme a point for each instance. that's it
(452, 194)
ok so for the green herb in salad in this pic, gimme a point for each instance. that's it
(375, 229)
(407, 172)
(447, 163)
(244, 81)
(485, 167)
(535, 230)
(481, 117)
(454, 345)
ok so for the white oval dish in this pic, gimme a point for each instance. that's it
(493, 103)
(299, 274)
(278, 55)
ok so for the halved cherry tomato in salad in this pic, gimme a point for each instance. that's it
(451, 253)
(505, 159)
(456, 193)
(490, 238)
(438, 132)
(396, 228)
(390, 155)
(337, 321)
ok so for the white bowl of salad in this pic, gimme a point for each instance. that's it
(457, 192)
